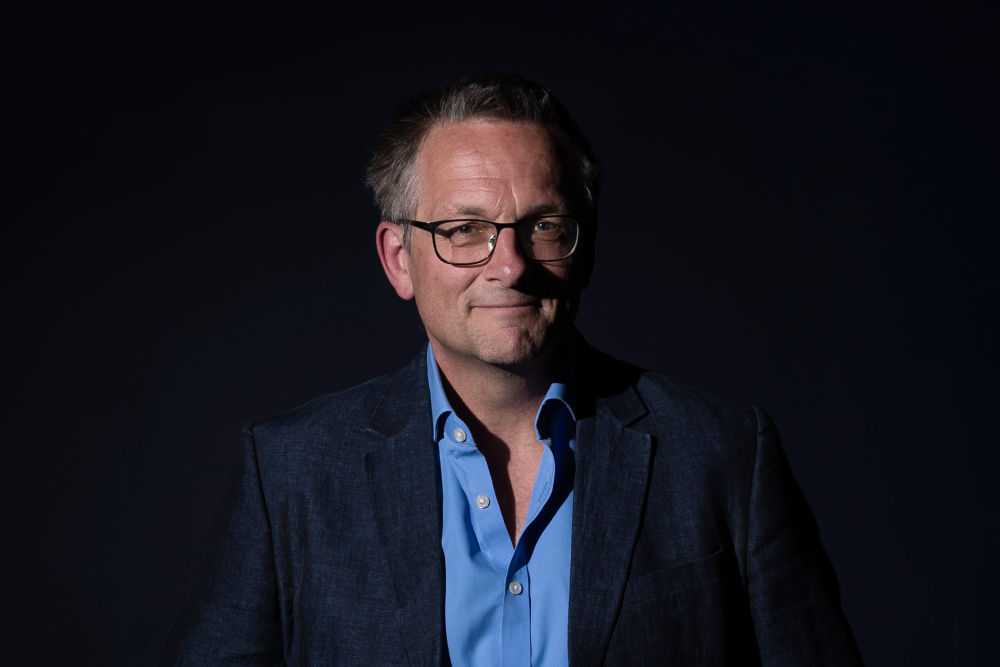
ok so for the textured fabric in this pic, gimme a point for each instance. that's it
(486, 624)
(691, 542)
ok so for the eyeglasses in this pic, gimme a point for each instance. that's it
(463, 242)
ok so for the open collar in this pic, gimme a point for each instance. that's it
(562, 392)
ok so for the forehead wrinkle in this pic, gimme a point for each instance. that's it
(491, 166)
(479, 196)
(494, 196)
(493, 178)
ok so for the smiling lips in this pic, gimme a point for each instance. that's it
(529, 304)
(512, 305)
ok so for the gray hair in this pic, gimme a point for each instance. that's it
(499, 96)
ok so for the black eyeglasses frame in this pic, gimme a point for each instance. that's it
(499, 226)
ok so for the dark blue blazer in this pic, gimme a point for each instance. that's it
(692, 543)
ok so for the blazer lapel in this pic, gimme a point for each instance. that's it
(609, 491)
(402, 476)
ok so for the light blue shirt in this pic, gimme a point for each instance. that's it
(505, 606)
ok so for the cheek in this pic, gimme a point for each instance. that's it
(562, 278)
(439, 288)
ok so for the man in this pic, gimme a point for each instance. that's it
(513, 497)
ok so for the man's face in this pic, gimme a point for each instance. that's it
(511, 309)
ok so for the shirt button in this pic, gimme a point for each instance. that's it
(482, 502)
(515, 588)
(459, 435)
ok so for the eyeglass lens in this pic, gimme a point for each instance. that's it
(472, 241)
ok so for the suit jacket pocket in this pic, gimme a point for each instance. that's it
(674, 579)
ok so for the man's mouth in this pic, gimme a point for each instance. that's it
(509, 306)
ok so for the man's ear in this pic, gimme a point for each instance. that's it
(395, 259)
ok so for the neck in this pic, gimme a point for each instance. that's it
(503, 399)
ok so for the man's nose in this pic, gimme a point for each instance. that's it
(508, 263)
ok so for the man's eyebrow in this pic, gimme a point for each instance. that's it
(470, 211)
(482, 214)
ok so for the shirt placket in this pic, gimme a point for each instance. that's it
(477, 484)
(509, 562)
(517, 599)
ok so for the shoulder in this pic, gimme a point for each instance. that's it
(347, 410)
(320, 435)
(680, 407)
(705, 448)
(335, 426)
(681, 413)
(362, 409)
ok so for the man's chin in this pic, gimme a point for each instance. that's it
(512, 348)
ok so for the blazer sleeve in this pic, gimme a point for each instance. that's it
(229, 612)
(793, 590)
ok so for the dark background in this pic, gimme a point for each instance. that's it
(797, 213)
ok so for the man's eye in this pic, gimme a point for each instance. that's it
(544, 226)
(465, 229)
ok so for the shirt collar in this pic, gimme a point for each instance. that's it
(561, 393)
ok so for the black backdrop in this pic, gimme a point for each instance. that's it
(796, 214)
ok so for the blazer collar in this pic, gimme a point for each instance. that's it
(609, 494)
(405, 401)
(607, 386)
(403, 471)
